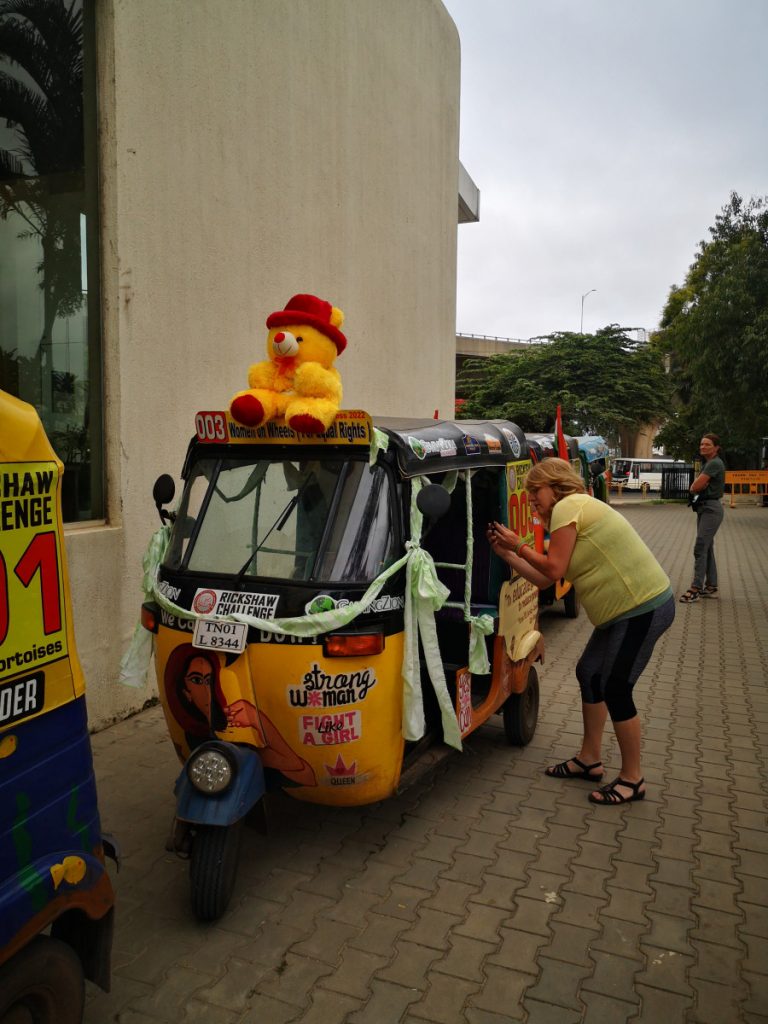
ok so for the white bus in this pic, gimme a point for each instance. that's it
(633, 473)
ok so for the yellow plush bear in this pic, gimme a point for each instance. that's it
(298, 380)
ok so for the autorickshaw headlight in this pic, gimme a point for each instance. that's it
(210, 770)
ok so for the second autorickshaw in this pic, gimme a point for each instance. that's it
(327, 609)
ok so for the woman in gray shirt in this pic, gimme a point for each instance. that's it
(708, 486)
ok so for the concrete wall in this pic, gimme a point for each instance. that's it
(251, 149)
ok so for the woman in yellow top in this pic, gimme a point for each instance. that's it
(628, 599)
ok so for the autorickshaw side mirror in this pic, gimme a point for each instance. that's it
(433, 501)
(163, 493)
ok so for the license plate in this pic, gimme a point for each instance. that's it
(220, 636)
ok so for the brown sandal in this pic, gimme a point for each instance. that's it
(692, 594)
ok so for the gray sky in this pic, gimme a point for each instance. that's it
(604, 136)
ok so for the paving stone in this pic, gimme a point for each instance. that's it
(422, 874)
(511, 864)
(326, 1008)
(440, 848)
(292, 983)
(542, 886)
(755, 920)
(625, 905)
(752, 864)
(598, 856)
(451, 897)
(715, 1004)
(716, 895)
(757, 954)
(666, 969)
(499, 892)
(531, 916)
(470, 870)
(432, 928)
(518, 951)
(601, 1009)
(715, 843)
(443, 999)
(388, 1002)
(671, 899)
(475, 1016)
(326, 941)
(661, 1006)
(620, 937)
(377, 877)
(613, 976)
(411, 964)
(520, 840)
(588, 881)
(353, 974)
(460, 827)
(559, 983)
(482, 922)
(301, 909)
(757, 1002)
(546, 1013)
(379, 935)
(502, 993)
(571, 944)
(402, 901)
(198, 1012)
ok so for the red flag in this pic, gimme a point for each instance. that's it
(562, 447)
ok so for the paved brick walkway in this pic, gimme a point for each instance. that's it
(489, 893)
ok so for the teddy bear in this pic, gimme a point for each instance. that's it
(298, 380)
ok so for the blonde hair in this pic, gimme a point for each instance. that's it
(558, 474)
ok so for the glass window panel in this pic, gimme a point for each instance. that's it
(49, 319)
(273, 519)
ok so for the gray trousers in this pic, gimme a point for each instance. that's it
(708, 522)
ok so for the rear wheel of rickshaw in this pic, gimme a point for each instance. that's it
(521, 712)
(42, 984)
(213, 869)
(572, 604)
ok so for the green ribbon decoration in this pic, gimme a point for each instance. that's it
(424, 595)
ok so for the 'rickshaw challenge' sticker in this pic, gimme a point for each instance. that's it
(32, 610)
(234, 602)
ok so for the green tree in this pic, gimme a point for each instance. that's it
(604, 382)
(714, 331)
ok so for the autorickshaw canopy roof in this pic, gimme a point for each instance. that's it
(431, 446)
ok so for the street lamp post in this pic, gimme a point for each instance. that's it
(581, 328)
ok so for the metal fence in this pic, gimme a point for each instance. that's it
(675, 482)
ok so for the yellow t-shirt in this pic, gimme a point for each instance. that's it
(611, 568)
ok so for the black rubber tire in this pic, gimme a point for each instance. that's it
(42, 984)
(571, 604)
(521, 712)
(213, 869)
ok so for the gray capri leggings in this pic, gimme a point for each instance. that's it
(615, 656)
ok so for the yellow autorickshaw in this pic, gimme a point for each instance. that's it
(56, 899)
(326, 608)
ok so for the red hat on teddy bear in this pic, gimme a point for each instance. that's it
(314, 312)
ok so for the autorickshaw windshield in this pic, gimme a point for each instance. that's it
(323, 519)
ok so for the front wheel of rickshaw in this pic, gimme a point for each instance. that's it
(571, 604)
(43, 984)
(521, 712)
(213, 869)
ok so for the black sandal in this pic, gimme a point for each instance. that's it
(611, 795)
(692, 594)
(708, 591)
(562, 771)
